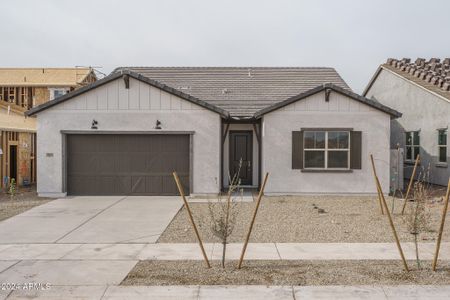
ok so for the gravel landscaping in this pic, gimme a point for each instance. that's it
(302, 219)
(284, 273)
(25, 199)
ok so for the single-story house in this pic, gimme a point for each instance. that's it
(420, 89)
(126, 133)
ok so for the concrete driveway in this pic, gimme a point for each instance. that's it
(92, 220)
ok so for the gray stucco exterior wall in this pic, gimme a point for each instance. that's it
(136, 109)
(422, 111)
(314, 112)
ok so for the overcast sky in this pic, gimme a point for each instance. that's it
(352, 36)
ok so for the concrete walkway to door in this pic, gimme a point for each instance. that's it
(92, 220)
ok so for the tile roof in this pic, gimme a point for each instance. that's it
(432, 75)
(241, 91)
(43, 76)
(233, 95)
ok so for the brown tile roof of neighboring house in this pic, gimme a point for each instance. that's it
(51, 77)
(432, 75)
(241, 91)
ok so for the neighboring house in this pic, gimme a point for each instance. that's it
(421, 91)
(126, 133)
(22, 89)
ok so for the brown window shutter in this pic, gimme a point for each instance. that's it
(355, 150)
(297, 149)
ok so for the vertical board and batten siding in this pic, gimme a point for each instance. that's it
(117, 109)
(113, 96)
(279, 132)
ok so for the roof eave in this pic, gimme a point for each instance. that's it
(372, 80)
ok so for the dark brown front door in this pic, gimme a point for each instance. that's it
(241, 143)
(126, 164)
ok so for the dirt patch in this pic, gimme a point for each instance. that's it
(25, 199)
(284, 273)
(306, 219)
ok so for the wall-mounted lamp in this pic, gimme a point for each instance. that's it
(158, 124)
(94, 124)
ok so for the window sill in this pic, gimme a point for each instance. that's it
(325, 171)
(441, 165)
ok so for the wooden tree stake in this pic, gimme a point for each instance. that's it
(397, 241)
(378, 190)
(441, 229)
(180, 189)
(410, 183)
(258, 201)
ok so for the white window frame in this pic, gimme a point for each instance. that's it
(326, 150)
(53, 90)
(442, 146)
(412, 146)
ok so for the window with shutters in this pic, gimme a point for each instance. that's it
(328, 150)
(412, 145)
(442, 145)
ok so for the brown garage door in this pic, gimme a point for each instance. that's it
(139, 164)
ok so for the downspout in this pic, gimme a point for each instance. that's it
(221, 157)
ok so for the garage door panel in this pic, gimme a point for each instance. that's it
(126, 164)
(138, 185)
(183, 145)
(122, 185)
(154, 163)
(138, 164)
(105, 163)
(104, 184)
(80, 185)
(169, 186)
(82, 163)
(155, 144)
(169, 162)
(82, 144)
(107, 144)
(122, 163)
(182, 164)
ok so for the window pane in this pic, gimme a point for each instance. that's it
(337, 159)
(343, 140)
(337, 140)
(314, 159)
(416, 152)
(442, 154)
(320, 139)
(416, 138)
(333, 139)
(309, 139)
(442, 139)
(409, 153)
(408, 138)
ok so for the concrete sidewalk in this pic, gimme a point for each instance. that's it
(235, 292)
(255, 251)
